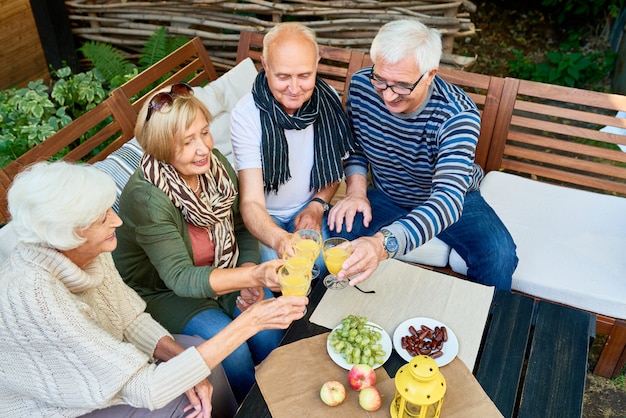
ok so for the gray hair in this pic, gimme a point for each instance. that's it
(289, 27)
(51, 202)
(400, 38)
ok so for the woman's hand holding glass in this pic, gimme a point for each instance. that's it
(294, 281)
(335, 251)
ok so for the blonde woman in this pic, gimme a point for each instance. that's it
(183, 246)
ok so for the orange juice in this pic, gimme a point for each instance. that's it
(299, 262)
(334, 258)
(306, 247)
(295, 284)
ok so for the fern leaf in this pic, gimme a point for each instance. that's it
(158, 46)
(107, 60)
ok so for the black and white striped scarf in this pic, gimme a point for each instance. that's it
(213, 213)
(333, 138)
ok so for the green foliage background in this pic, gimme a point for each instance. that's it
(28, 116)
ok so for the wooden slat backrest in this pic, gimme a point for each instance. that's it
(485, 91)
(118, 114)
(335, 66)
(554, 135)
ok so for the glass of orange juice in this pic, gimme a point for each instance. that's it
(294, 282)
(335, 251)
(308, 243)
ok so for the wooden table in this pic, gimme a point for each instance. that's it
(532, 361)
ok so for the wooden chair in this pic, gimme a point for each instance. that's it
(335, 66)
(118, 113)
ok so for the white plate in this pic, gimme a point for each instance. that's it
(385, 341)
(450, 348)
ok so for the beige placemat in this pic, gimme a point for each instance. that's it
(290, 379)
(406, 291)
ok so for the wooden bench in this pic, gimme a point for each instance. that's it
(524, 129)
(534, 357)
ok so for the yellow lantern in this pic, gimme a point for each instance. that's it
(419, 389)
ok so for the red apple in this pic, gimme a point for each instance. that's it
(361, 376)
(332, 393)
(370, 399)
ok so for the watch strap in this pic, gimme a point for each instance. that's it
(322, 202)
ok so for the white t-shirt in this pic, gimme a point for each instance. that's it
(245, 130)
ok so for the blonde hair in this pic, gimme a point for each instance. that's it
(162, 135)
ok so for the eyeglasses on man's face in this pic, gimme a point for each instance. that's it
(163, 101)
(381, 85)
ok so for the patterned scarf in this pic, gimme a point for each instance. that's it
(333, 138)
(213, 212)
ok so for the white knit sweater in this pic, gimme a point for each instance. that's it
(76, 340)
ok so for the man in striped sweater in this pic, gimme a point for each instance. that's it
(417, 136)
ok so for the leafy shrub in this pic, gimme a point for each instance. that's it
(569, 65)
(31, 114)
(584, 8)
(112, 65)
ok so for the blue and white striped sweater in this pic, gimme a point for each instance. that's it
(423, 160)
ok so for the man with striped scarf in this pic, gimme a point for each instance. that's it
(417, 136)
(289, 137)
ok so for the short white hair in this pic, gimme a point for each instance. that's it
(51, 202)
(400, 38)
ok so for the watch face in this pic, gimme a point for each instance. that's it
(391, 244)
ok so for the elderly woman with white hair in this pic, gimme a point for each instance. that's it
(75, 337)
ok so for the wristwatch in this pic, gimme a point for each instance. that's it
(390, 243)
(322, 202)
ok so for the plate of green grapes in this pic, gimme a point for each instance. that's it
(358, 341)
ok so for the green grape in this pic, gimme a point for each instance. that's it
(358, 342)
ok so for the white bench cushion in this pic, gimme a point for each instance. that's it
(221, 96)
(571, 243)
(120, 164)
(434, 253)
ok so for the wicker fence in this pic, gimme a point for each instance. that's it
(352, 24)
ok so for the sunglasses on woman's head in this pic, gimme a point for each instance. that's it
(163, 101)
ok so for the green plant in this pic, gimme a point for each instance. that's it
(112, 65)
(158, 46)
(109, 63)
(569, 65)
(80, 92)
(589, 9)
(31, 114)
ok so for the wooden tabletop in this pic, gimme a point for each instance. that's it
(532, 361)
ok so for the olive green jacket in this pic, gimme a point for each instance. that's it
(154, 254)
